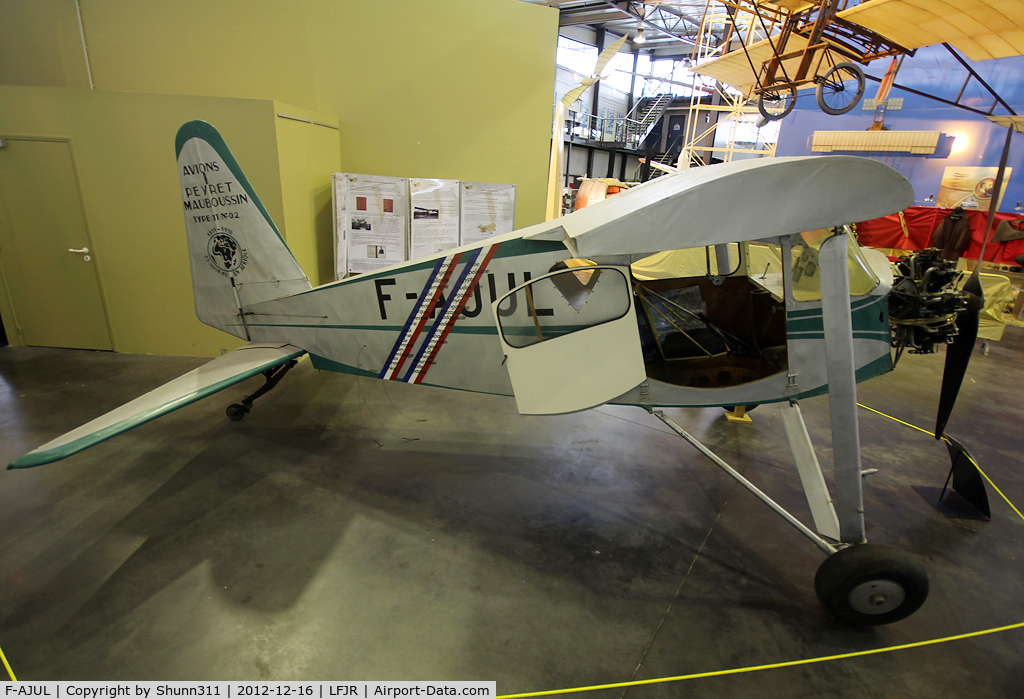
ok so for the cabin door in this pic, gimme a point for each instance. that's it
(571, 340)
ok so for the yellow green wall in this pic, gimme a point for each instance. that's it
(447, 88)
(41, 44)
(308, 154)
(456, 89)
(123, 148)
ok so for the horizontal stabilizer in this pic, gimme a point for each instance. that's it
(214, 376)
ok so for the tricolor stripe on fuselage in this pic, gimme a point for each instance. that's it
(471, 277)
(418, 318)
(476, 262)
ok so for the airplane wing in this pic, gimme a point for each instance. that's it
(739, 68)
(981, 29)
(697, 207)
(214, 376)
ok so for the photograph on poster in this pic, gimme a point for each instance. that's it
(969, 187)
(487, 210)
(435, 215)
(377, 226)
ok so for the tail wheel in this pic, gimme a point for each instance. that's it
(775, 103)
(840, 89)
(236, 412)
(871, 584)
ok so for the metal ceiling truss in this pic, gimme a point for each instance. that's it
(997, 101)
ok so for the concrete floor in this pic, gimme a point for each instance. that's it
(356, 529)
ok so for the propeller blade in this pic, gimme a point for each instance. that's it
(574, 94)
(958, 354)
(607, 55)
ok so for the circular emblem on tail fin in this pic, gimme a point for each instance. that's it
(224, 253)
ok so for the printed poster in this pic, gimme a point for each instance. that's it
(487, 210)
(338, 197)
(970, 187)
(376, 221)
(435, 215)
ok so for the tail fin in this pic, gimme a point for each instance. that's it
(238, 256)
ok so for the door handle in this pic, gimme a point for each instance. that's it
(84, 251)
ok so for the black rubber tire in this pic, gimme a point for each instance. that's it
(747, 408)
(834, 81)
(236, 411)
(770, 95)
(847, 581)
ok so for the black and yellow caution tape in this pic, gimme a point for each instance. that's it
(7, 665)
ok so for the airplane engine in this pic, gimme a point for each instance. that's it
(924, 303)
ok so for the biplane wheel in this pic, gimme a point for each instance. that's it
(871, 584)
(776, 103)
(236, 411)
(840, 88)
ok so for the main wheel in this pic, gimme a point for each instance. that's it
(871, 584)
(776, 103)
(840, 89)
(236, 411)
(746, 408)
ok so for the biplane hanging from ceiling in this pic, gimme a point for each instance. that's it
(788, 45)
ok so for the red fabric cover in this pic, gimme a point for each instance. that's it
(922, 221)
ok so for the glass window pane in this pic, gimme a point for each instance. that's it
(733, 261)
(806, 271)
(562, 304)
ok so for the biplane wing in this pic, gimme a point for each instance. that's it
(739, 68)
(980, 29)
(224, 371)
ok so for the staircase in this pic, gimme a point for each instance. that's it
(643, 118)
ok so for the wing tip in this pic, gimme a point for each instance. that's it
(33, 459)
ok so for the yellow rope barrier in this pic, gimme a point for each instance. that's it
(984, 475)
(8, 666)
(757, 668)
(795, 663)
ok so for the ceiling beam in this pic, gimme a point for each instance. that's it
(569, 18)
(629, 12)
(555, 3)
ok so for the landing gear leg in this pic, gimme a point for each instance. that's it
(862, 584)
(236, 411)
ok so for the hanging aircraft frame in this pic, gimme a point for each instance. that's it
(813, 46)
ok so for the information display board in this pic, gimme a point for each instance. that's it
(373, 212)
(338, 197)
(487, 210)
(435, 215)
(380, 221)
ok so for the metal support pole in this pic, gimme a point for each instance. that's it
(842, 385)
(821, 543)
(818, 498)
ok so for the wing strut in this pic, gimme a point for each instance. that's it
(818, 541)
(842, 385)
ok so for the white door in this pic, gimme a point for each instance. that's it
(571, 339)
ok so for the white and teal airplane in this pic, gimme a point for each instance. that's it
(729, 285)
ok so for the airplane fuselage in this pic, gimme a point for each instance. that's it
(430, 322)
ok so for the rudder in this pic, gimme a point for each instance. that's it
(237, 255)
